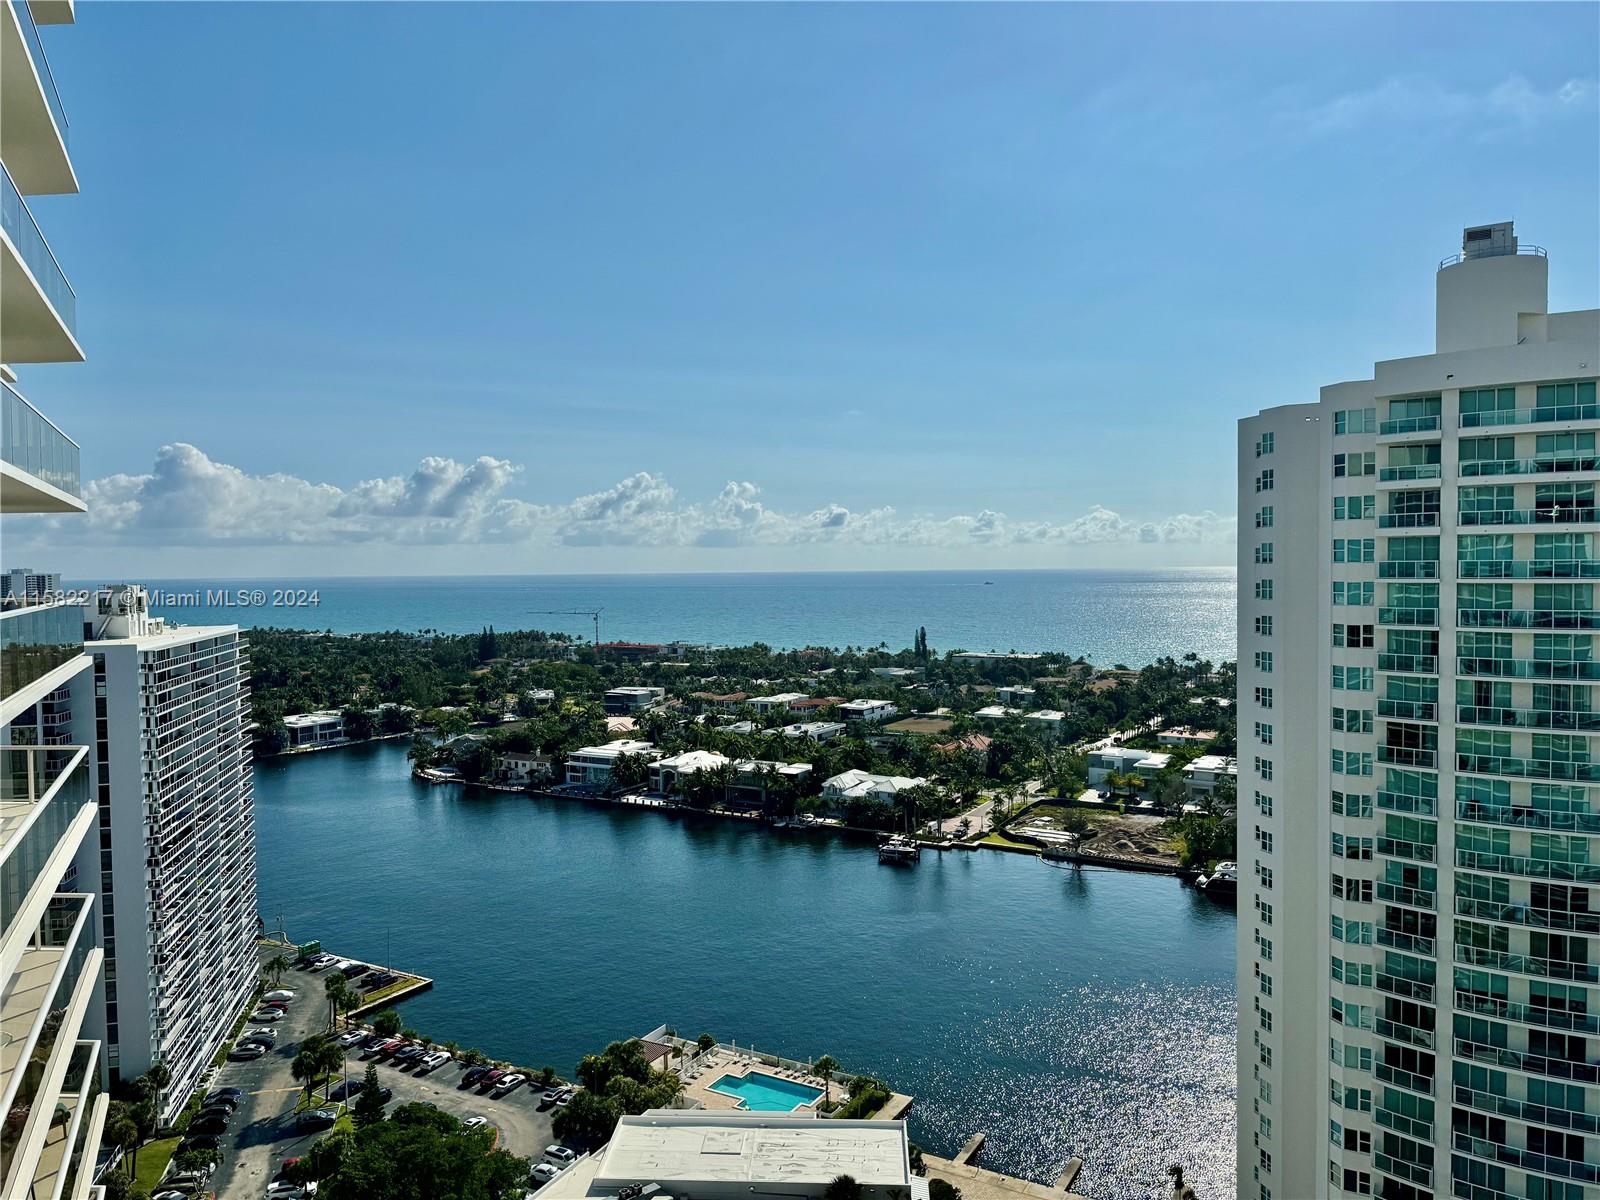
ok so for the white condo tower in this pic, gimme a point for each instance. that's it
(1419, 817)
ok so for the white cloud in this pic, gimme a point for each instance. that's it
(1411, 99)
(188, 500)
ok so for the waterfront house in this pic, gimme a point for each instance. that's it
(521, 768)
(1202, 776)
(777, 702)
(1016, 695)
(1124, 760)
(1182, 735)
(817, 731)
(630, 651)
(897, 672)
(322, 728)
(864, 785)
(978, 659)
(1046, 723)
(867, 710)
(666, 772)
(734, 1154)
(592, 764)
(751, 777)
(624, 701)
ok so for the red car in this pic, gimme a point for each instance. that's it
(489, 1078)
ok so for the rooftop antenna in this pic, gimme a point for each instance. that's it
(592, 614)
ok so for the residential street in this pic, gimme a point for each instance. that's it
(264, 1131)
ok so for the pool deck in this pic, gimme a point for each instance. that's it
(726, 1062)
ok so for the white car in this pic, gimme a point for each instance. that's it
(351, 1038)
(282, 1189)
(474, 1122)
(280, 994)
(560, 1156)
(544, 1172)
(508, 1083)
(433, 1062)
(266, 1014)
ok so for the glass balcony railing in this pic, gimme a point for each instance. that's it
(1412, 942)
(1527, 964)
(1529, 867)
(1411, 471)
(1528, 1014)
(1408, 756)
(1522, 1110)
(1531, 416)
(1409, 710)
(1408, 616)
(42, 822)
(1424, 806)
(1526, 1160)
(1406, 1034)
(1415, 851)
(1538, 1064)
(35, 641)
(1544, 465)
(1527, 718)
(30, 441)
(1416, 568)
(1399, 985)
(1528, 768)
(1528, 818)
(41, 64)
(25, 235)
(1424, 664)
(1573, 514)
(1526, 668)
(1408, 520)
(1410, 1080)
(1535, 568)
(1519, 913)
(1409, 425)
(1527, 618)
(1394, 893)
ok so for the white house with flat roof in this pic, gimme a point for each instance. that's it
(817, 731)
(729, 1154)
(996, 712)
(776, 702)
(592, 764)
(867, 710)
(1203, 775)
(1014, 695)
(324, 728)
(621, 701)
(1123, 760)
(1046, 723)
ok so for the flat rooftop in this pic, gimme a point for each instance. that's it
(689, 1147)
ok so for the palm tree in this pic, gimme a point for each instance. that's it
(331, 1060)
(337, 989)
(307, 1067)
(824, 1068)
(156, 1079)
(277, 966)
(122, 1130)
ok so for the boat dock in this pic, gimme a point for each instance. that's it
(976, 1183)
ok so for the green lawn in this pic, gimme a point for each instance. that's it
(153, 1160)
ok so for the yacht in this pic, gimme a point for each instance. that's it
(1223, 882)
(899, 849)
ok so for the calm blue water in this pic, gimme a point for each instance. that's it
(766, 1093)
(1111, 617)
(1060, 1012)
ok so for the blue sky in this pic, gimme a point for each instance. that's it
(412, 288)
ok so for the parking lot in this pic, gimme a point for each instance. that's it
(264, 1131)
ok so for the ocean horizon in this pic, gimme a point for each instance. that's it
(1108, 616)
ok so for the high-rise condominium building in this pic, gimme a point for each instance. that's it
(177, 866)
(50, 956)
(24, 583)
(1419, 831)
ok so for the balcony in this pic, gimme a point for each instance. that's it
(1550, 464)
(43, 793)
(33, 124)
(1527, 818)
(1527, 1014)
(1540, 415)
(1521, 1110)
(1408, 425)
(1528, 718)
(1526, 914)
(1528, 867)
(1423, 664)
(1529, 768)
(36, 641)
(1534, 568)
(1526, 1160)
(1427, 520)
(1412, 943)
(38, 463)
(1409, 710)
(1409, 756)
(1417, 568)
(45, 977)
(1425, 852)
(1425, 806)
(1408, 616)
(1409, 472)
(1537, 1064)
(1527, 964)
(1572, 514)
(38, 310)
(1527, 668)
(1527, 618)
(1394, 893)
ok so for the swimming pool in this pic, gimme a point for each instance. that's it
(760, 1092)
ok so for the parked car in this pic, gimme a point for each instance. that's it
(230, 1103)
(561, 1156)
(245, 1051)
(282, 1189)
(565, 1098)
(318, 1118)
(551, 1095)
(410, 1053)
(207, 1125)
(352, 970)
(475, 1122)
(433, 1062)
(472, 1074)
(267, 1014)
(232, 1093)
(507, 1084)
(351, 1038)
(490, 1078)
(322, 961)
(221, 1112)
(379, 1049)
(202, 1141)
(279, 994)
(543, 1173)
(376, 1039)
(262, 1034)
(346, 1090)
(385, 1095)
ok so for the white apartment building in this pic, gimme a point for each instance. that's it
(867, 710)
(592, 764)
(50, 955)
(621, 701)
(24, 583)
(1419, 1013)
(177, 857)
(325, 727)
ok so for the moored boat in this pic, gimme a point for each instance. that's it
(1222, 883)
(899, 849)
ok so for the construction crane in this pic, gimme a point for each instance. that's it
(593, 615)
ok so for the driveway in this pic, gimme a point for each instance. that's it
(264, 1131)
